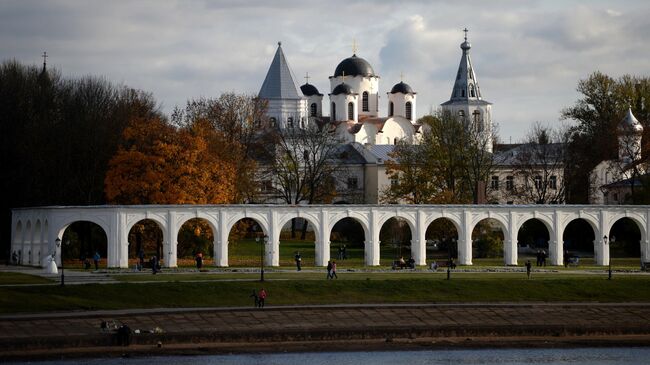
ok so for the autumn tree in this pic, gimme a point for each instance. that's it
(158, 164)
(236, 118)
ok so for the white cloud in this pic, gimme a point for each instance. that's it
(529, 55)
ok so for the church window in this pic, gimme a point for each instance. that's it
(471, 74)
(391, 109)
(353, 183)
(290, 122)
(395, 140)
(350, 111)
(313, 110)
(462, 93)
(471, 91)
(273, 122)
(553, 182)
(538, 182)
(476, 119)
(365, 102)
(510, 183)
(333, 111)
(267, 186)
(409, 110)
(461, 115)
(494, 183)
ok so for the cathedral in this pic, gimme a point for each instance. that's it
(354, 101)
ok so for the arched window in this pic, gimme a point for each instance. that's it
(409, 110)
(471, 91)
(395, 140)
(350, 111)
(290, 122)
(365, 102)
(476, 119)
(462, 93)
(461, 115)
(391, 109)
(333, 111)
(313, 110)
(273, 122)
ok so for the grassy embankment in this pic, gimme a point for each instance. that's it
(311, 288)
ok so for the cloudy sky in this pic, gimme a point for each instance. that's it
(528, 55)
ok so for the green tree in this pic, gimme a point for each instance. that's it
(597, 114)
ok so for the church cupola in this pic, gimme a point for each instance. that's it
(344, 103)
(357, 73)
(401, 101)
(314, 99)
(466, 102)
(630, 132)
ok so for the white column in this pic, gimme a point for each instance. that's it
(372, 243)
(510, 252)
(272, 249)
(117, 241)
(221, 241)
(170, 244)
(323, 239)
(419, 244)
(465, 240)
(602, 257)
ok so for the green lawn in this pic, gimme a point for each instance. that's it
(10, 278)
(312, 288)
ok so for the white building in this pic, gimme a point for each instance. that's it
(611, 181)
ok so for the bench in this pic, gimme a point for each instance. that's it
(573, 261)
(397, 265)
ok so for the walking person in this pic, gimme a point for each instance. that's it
(345, 252)
(199, 260)
(261, 297)
(298, 259)
(96, 259)
(154, 264)
(544, 258)
(333, 275)
(329, 270)
(528, 268)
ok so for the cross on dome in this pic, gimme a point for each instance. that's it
(355, 48)
(307, 78)
(465, 30)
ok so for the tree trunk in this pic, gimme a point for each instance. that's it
(293, 228)
(303, 234)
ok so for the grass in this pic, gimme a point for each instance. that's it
(312, 288)
(11, 278)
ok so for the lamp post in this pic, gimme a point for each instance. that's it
(609, 259)
(264, 240)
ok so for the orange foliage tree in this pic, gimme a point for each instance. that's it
(159, 164)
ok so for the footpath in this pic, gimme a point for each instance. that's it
(321, 328)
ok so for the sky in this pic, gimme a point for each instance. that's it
(528, 55)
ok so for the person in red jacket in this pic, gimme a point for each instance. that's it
(261, 297)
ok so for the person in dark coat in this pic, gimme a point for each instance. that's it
(298, 259)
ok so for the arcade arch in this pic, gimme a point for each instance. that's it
(146, 238)
(395, 237)
(487, 240)
(578, 240)
(196, 236)
(80, 241)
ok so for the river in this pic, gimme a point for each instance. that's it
(580, 356)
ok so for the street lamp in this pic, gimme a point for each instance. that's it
(609, 261)
(264, 240)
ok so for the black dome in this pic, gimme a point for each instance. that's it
(402, 88)
(354, 66)
(309, 90)
(342, 89)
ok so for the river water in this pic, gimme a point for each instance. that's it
(581, 356)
